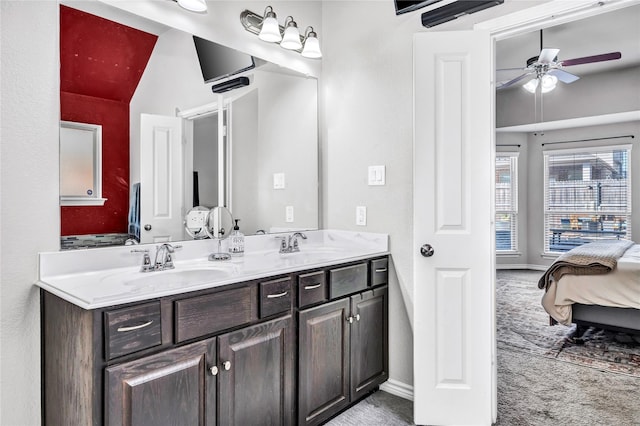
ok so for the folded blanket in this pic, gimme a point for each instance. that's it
(598, 257)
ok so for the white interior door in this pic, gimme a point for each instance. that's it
(161, 178)
(454, 340)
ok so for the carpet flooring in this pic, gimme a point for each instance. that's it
(545, 376)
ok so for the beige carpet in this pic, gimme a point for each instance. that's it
(543, 378)
(523, 325)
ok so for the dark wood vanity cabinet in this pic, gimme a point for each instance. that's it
(278, 351)
(250, 377)
(173, 387)
(343, 348)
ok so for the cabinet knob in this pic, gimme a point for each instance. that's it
(227, 365)
(357, 317)
(350, 319)
(214, 370)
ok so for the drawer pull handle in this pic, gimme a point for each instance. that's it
(381, 270)
(275, 296)
(312, 287)
(214, 370)
(134, 327)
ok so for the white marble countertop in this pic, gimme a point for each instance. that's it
(101, 277)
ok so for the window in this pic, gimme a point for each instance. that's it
(506, 202)
(587, 196)
(80, 164)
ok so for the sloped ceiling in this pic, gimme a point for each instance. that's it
(101, 58)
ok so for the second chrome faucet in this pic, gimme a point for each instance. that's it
(289, 244)
(163, 259)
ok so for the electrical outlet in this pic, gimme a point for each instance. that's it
(278, 181)
(288, 214)
(361, 215)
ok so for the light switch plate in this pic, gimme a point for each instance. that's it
(278, 181)
(376, 175)
(288, 214)
(361, 215)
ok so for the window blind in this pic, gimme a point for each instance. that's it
(587, 196)
(506, 202)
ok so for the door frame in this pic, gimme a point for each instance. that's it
(552, 13)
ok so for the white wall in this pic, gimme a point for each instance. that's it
(366, 119)
(30, 220)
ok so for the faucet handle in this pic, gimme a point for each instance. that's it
(146, 260)
(283, 243)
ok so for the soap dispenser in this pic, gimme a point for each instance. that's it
(236, 241)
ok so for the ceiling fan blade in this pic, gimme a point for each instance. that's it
(513, 81)
(548, 55)
(564, 76)
(588, 59)
(510, 69)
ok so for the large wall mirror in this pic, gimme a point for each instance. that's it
(169, 143)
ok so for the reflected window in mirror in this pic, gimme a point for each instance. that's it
(80, 164)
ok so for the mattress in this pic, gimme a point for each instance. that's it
(619, 288)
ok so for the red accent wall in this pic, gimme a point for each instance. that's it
(114, 118)
(101, 63)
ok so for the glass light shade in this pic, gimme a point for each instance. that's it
(270, 29)
(291, 38)
(531, 85)
(548, 83)
(193, 5)
(311, 48)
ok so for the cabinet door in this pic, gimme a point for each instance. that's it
(256, 374)
(323, 385)
(369, 341)
(175, 387)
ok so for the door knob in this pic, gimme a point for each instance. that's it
(426, 250)
(147, 227)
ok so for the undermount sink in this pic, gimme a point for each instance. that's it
(168, 278)
(309, 253)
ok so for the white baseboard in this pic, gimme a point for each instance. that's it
(522, 266)
(397, 388)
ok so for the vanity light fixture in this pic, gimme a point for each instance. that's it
(266, 27)
(311, 44)
(270, 30)
(291, 37)
(193, 5)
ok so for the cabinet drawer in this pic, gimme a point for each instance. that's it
(349, 279)
(207, 314)
(379, 271)
(312, 289)
(275, 297)
(133, 329)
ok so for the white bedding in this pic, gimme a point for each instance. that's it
(618, 288)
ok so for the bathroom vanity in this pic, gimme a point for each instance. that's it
(268, 339)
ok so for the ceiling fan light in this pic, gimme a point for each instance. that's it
(531, 85)
(548, 83)
(270, 28)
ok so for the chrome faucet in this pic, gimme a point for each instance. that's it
(163, 258)
(290, 244)
(162, 261)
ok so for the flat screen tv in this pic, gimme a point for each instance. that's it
(404, 6)
(218, 61)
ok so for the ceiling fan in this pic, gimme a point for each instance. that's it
(546, 69)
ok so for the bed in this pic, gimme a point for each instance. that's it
(597, 284)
